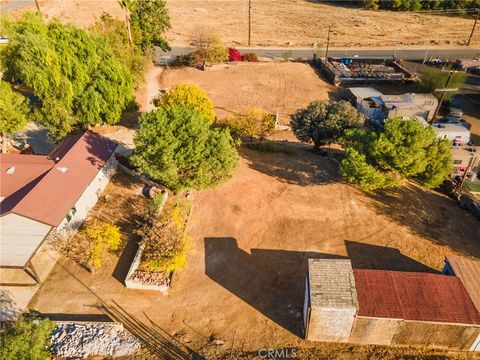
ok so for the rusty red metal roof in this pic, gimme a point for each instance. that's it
(468, 271)
(51, 195)
(414, 296)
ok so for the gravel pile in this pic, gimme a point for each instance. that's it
(151, 277)
(83, 340)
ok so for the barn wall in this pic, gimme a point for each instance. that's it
(90, 196)
(439, 335)
(329, 324)
(376, 331)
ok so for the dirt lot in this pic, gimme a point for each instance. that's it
(252, 236)
(275, 87)
(277, 23)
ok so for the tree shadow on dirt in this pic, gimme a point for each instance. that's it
(300, 167)
(273, 281)
(430, 215)
(368, 256)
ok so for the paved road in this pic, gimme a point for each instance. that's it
(14, 5)
(406, 54)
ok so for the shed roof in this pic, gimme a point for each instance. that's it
(414, 296)
(468, 271)
(48, 197)
(332, 283)
(364, 92)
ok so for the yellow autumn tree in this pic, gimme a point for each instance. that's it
(252, 122)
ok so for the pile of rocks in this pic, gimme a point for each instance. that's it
(82, 339)
(151, 278)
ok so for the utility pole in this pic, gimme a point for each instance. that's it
(249, 21)
(395, 52)
(444, 90)
(473, 28)
(328, 43)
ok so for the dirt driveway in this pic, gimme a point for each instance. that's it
(243, 287)
(275, 87)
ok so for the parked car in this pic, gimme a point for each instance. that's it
(454, 120)
(468, 202)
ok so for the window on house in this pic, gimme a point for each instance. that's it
(71, 213)
(428, 103)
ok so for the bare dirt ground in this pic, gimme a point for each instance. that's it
(275, 87)
(278, 23)
(252, 236)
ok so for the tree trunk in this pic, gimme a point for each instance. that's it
(4, 143)
(129, 30)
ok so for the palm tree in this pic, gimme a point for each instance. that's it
(128, 6)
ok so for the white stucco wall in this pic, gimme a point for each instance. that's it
(90, 196)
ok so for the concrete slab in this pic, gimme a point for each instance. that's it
(14, 299)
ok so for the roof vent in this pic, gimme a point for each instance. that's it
(63, 169)
(10, 170)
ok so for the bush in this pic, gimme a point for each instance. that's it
(250, 57)
(165, 241)
(26, 339)
(209, 48)
(103, 236)
(252, 122)
(185, 60)
(234, 55)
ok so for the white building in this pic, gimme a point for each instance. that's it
(42, 193)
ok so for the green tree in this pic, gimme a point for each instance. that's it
(371, 4)
(14, 113)
(252, 122)
(152, 19)
(323, 123)
(405, 148)
(26, 339)
(432, 79)
(178, 147)
(112, 30)
(75, 77)
(190, 96)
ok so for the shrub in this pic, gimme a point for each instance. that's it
(209, 48)
(252, 122)
(234, 55)
(103, 236)
(250, 57)
(185, 60)
(165, 241)
(26, 339)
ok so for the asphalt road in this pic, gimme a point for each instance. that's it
(295, 53)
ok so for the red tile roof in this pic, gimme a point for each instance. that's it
(414, 296)
(468, 271)
(49, 197)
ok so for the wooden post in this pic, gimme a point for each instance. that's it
(328, 43)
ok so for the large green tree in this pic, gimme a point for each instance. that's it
(178, 146)
(14, 112)
(112, 30)
(324, 122)
(405, 148)
(75, 77)
(151, 18)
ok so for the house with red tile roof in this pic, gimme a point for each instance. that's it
(389, 307)
(42, 193)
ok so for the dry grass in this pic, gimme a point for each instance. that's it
(277, 23)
